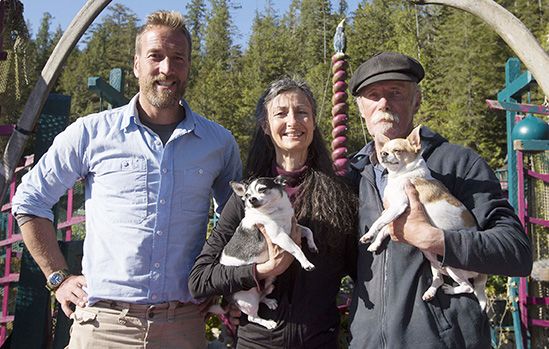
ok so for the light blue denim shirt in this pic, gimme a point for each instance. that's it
(146, 204)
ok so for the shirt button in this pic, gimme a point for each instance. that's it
(158, 143)
(200, 171)
(125, 163)
(157, 265)
(164, 170)
(159, 233)
(162, 201)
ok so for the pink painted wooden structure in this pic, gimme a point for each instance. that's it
(9, 280)
(71, 219)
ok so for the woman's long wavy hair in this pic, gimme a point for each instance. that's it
(325, 203)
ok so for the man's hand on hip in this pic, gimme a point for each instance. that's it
(71, 292)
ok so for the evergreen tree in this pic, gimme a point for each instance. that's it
(315, 32)
(535, 16)
(342, 8)
(383, 25)
(43, 42)
(218, 41)
(466, 75)
(464, 60)
(110, 44)
(196, 16)
(533, 13)
(216, 93)
(266, 59)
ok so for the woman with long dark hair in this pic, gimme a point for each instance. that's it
(287, 142)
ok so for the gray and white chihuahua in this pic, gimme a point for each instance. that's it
(404, 163)
(267, 204)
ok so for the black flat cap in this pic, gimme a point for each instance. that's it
(386, 66)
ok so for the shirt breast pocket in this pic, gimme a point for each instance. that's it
(122, 186)
(197, 189)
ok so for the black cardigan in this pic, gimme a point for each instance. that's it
(307, 313)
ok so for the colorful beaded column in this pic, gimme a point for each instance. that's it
(339, 101)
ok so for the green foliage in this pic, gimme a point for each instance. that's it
(44, 41)
(195, 21)
(464, 61)
(109, 44)
(465, 73)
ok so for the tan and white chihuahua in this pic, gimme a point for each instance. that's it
(404, 163)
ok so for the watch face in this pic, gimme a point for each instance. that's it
(56, 279)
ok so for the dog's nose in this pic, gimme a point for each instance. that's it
(253, 201)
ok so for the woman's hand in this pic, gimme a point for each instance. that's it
(279, 260)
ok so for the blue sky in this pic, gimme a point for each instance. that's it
(242, 13)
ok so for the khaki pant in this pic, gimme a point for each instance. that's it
(109, 324)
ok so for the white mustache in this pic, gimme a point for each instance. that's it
(385, 116)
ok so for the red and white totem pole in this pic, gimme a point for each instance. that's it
(339, 101)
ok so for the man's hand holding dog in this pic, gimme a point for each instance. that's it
(279, 260)
(413, 226)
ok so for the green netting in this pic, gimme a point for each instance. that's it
(53, 120)
(20, 65)
(538, 207)
(5, 69)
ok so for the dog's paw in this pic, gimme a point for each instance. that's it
(429, 294)
(313, 248)
(270, 324)
(309, 267)
(271, 303)
(366, 238)
(374, 247)
(448, 289)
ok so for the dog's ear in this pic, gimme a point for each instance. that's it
(415, 139)
(238, 188)
(381, 139)
(280, 180)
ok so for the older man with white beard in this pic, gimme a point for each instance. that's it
(387, 309)
(150, 169)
